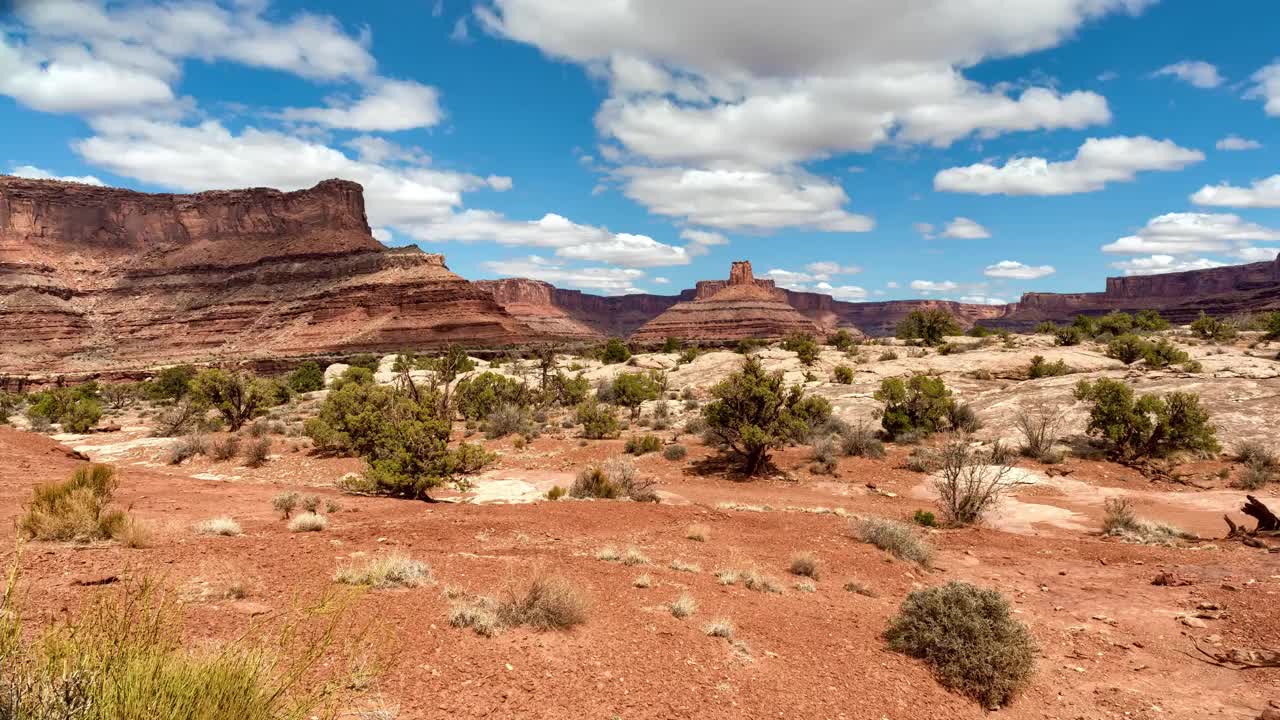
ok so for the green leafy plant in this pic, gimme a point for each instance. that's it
(1209, 327)
(632, 390)
(843, 374)
(238, 397)
(615, 351)
(597, 420)
(753, 413)
(929, 326)
(803, 345)
(1041, 369)
(1146, 426)
(919, 405)
(841, 340)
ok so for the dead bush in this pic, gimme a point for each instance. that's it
(188, 447)
(257, 451)
(551, 602)
(892, 537)
(1040, 427)
(611, 480)
(225, 449)
(968, 487)
(805, 564)
(75, 509)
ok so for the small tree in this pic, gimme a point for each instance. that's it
(597, 420)
(1087, 326)
(1116, 323)
(1147, 426)
(1128, 348)
(631, 390)
(919, 405)
(1212, 328)
(479, 395)
(1070, 335)
(803, 345)
(1039, 427)
(1162, 353)
(238, 397)
(930, 326)
(753, 413)
(841, 340)
(615, 351)
(1270, 324)
(1150, 321)
(171, 383)
(308, 377)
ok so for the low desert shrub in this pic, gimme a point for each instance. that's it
(720, 627)
(308, 522)
(1256, 475)
(825, 456)
(923, 460)
(508, 419)
(556, 492)
(1208, 327)
(611, 480)
(1121, 521)
(892, 537)
(1250, 452)
(188, 447)
(1128, 348)
(924, 518)
(928, 326)
(643, 444)
(285, 503)
(225, 449)
(642, 581)
(805, 564)
(919, 405)
(843, 375)
(1067, 336)
(859, 588)
(76, 509)
(1147, 426)
(969, 638)
(223, 525)
(387, 571)
(257, 451)
(597, 419)
(1041, 369)
(860, 441)
(675, 453)
(803, 345)
(962, 418)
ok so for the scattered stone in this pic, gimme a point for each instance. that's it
(1193, 622)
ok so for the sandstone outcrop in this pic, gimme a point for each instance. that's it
(573, 314)
(743, 307)
(96, 278)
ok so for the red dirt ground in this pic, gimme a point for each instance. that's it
(1111, 644)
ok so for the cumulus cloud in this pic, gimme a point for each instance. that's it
(387, 105)
(1235, 142)
(965, 229)
(817, 277)
(1263, 193)
(848, 293)
(1188, 233)
(1097, 162)
(1194, 72)
(1266, 87)
(1017, 271)
(35, 173)
(611, 281)
(1156, 264)
(925, 229)
(701, 240)
(983, 300)
(931, 286)
(1256, 254)
(743, 199)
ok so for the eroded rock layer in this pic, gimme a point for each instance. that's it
(97, 278)
(741, 308)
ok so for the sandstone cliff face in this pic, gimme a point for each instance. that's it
(741, 308)
(94, 278)
(573, 314)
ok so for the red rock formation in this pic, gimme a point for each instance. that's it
(573, 314)
(95, 278)
(742, 308)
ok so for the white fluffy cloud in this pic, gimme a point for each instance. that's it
(965, 229)
(1097, 162)
(1188, 233)
(817, 277)
(743, 199)
(611, 281)
(701, 240)
(848, 293)
(931, 286)
(1263, 193)
(1235, 142)
(1017, 271)
(1266, 86)
(983, 300)
(1257, 254)
(1156, 264)
(88, 56)
(746, 92)
(387, 105)
(35, 173)
(1194, 72)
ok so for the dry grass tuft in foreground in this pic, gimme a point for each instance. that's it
(969, 638)
(698, 532)
(892, 537)
(805, 564)
(75, 509)
(683, 606)
(720, 627)
(551, 602)
(308, 522)
(388, 571)
(218, 526)
(1121, 521)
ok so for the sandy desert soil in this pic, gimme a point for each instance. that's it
(1111, 644)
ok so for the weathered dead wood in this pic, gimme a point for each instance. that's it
(1236, 659)
(1267, 520)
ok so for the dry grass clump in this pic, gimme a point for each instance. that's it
(633, 556)
(682, 566)
(683, 606)
(642, 581)
(1122, 521)
(225, 449)
(388, 571)
(969, 638)
(805, 564)
(698, 532)
(806, 586)
(75, 509)
(188, 447)
(223, 525)
(478, 613)
(859, 588)
(613, 479)
(551, 602)
(608, 554)
(135, 534)
(894, 538)
(257, 451)
(720, 627)
(728, 577)
(308, 522)
(755, 580)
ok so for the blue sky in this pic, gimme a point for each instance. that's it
(867, 149)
